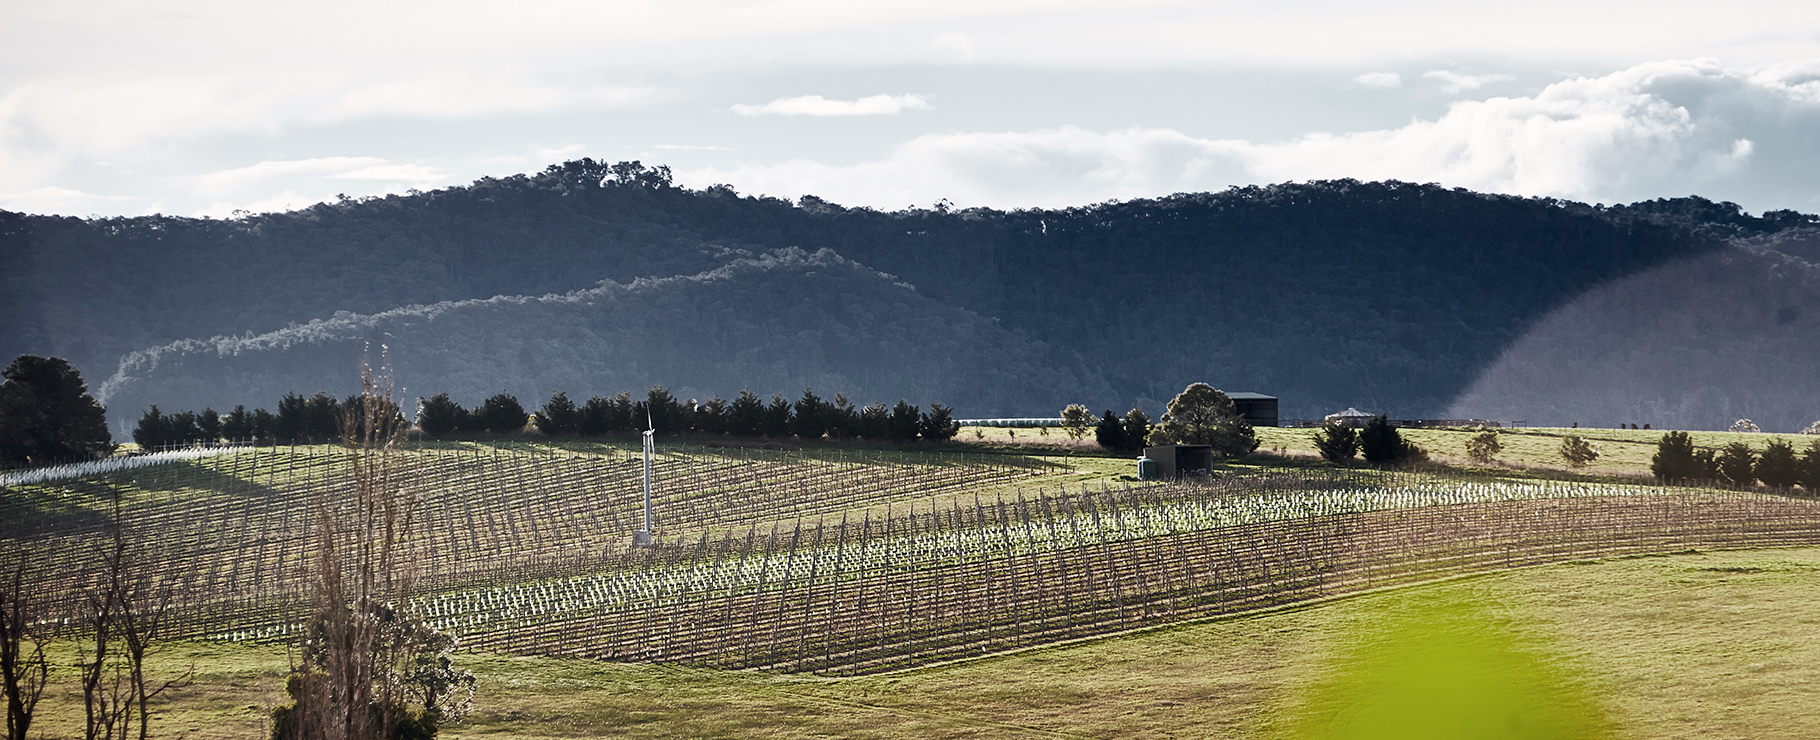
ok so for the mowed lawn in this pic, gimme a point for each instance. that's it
(1693, 645)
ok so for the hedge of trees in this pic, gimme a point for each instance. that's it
(1378, 441)
(317, 419)
(746, 415)
(299, 420)
(1677, 460)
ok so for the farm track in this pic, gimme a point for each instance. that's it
(840, 567)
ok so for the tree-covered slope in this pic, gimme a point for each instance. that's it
(1386, 296)
(1694, 344)
(780, 322)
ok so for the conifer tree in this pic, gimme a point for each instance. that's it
(1337, 443)
(559, 417)
(938, 425)
(439, 416)
(46, 413)
(746, 415)
(1137, 429)
(905, 422)
(1737, 465)
(1778, 467)
(1110, 432)
(1382, 443)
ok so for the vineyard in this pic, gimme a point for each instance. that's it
(836, 562)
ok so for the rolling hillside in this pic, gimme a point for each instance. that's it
(1391, 297)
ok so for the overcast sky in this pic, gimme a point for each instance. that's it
(202, 108)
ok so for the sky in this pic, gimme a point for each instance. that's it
(205, 108)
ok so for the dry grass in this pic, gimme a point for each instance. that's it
(1623, 452)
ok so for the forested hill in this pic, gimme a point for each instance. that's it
(780, 322)
(1388, 296)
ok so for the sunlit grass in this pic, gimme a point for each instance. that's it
(1695, 645)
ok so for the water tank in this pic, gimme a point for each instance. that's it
(1146, 468)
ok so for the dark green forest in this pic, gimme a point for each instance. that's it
(597, 278)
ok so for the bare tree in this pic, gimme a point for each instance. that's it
(23, 639)
(123, 613)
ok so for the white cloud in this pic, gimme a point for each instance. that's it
(1655, 130)
(242, 178)
(1453, 82)
(413, 173)
(53, 199)
(1379, 80)
(816, 105)
(693, 148)
(1052, 167)
(959, 44)
(302, 182)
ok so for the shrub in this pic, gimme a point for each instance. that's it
(1382, 443)
(1745, 425)
(1483, 447)
(1813, 428)
(1737, 465)
(1778, 467)
(1577, 451)
(1338, 443)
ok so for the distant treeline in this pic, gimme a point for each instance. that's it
(809, 417)
(318, 419)
(299, 420)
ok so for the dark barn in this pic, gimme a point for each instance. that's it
(1258, 409)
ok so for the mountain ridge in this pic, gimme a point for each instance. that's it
(1393, 296)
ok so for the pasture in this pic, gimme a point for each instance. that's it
(785, 581)
(1710, 644)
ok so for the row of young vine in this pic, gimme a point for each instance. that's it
(838, 562)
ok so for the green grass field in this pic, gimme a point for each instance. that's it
(1624, 453)
(1706, 645)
